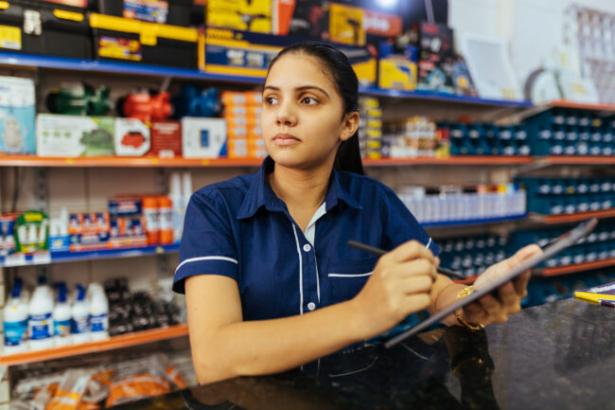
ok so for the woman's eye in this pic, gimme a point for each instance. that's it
(271, 100)
(309, 100)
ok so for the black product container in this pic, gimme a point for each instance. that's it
(122, 39)
(177, 13)
(37, 27)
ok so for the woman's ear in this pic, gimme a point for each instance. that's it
(350, 125)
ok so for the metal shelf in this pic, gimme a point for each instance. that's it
(562, 219)
(113, 343)
(152, 162)
(59, 257)
(468, 222)
(581, 267)
(125, 68)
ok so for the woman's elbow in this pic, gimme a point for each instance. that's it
(210, 370)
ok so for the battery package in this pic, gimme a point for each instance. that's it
(119, 38)
(74, 136)
(176, 12)
(132, 137)
(166, 139)
(17, 115)
(37, 27)
(204, 137)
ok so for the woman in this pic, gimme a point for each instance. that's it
(269, 279)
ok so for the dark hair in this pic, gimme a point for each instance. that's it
(348, 157)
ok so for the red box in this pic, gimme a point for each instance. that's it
(166, 139)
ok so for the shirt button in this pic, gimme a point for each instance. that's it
(311, 306)
(307, 247)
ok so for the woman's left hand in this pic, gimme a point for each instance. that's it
(490, 309)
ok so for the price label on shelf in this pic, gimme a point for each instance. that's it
(16, 259)
(41, 258)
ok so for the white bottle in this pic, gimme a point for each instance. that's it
(40, 321)
(99, 312)
(175, 193)
(80, 317)
(16, 321)
(61, 316)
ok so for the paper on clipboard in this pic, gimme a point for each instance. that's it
(567, 239)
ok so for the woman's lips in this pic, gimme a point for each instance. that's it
(285, 140)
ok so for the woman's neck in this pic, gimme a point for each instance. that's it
(301, 188)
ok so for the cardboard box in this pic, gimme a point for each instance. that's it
(166, 139)
(245, 15)
(346, 24)
(398, 73)
(203, 137)
(132, 137)
(74, 136)
(17, 115)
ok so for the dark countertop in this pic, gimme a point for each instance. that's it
(556, 356)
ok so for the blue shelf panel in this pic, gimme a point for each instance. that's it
(470, 222)
(72, 64)
(59, 257)
(444, 97)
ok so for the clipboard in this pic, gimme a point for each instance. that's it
(565, 240)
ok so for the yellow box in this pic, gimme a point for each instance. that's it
(346, 24)
(242, 15)
(397, 73)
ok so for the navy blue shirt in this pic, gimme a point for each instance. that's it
(239, 228)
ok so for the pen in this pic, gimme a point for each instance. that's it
(608, 303)
(377, 251)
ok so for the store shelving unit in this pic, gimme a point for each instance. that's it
(47, 258)
(113, 343)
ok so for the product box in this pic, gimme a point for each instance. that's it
(127, 222)
(38, 27)
(74, 136)
(166, 139)
(203, 137)
(132, 137)
(244, 15)
(17, 113)
(118, 38)
(248, 54)
(176, 12)
(397, 72)
(346, 24)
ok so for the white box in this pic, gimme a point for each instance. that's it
(74, 136)
(17, 112)
(132, 137)
(203, 137)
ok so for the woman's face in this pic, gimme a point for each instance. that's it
(303, 121)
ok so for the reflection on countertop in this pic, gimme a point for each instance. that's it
(559, 355)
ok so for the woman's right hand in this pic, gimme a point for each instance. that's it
(400, 285)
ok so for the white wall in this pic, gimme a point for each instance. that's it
(532, 27)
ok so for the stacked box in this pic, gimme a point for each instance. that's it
(242, 113)
(74, 136)
(17, 111)
(370, 130)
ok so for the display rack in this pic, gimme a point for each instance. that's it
(113, 343)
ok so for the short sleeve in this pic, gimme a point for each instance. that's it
(207, 244)
(401, 226)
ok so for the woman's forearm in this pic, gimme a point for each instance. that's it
(271, 346)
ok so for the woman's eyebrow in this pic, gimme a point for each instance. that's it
(301, 88)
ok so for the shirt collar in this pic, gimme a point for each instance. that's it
(260, 194)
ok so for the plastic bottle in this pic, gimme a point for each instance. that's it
(61, 316)
(99, 312)
(80, 313)
(40, 321)
(165, 212)
(152, 219)
(175, 193)
(16, 321)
